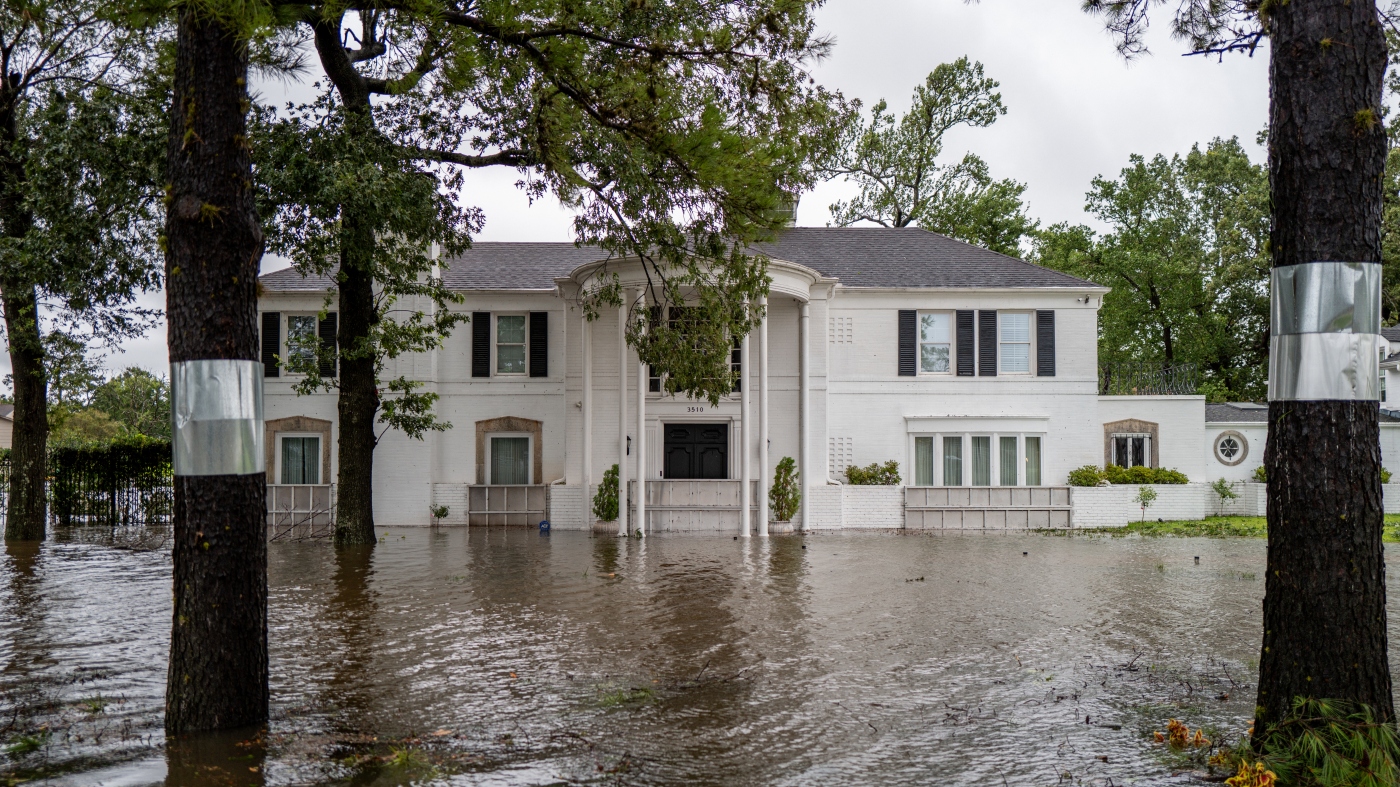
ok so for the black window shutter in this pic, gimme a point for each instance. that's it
(539, 344)
(327, 330)
(966, 362)
(908, 343)
(987, 343)
(271, 343)
(481, 344)
(1045, 343)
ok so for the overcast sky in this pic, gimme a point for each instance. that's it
(1076, 109)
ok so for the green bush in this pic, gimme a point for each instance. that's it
(605, 499)
(1139, 474)
(874, 474)
(785, 495)
(1088, 475)
(1328, 743)
(1385, 476)
(1224, 490)
(1260, 475)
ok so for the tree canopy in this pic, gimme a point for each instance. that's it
(896, 164)
(1187, 260)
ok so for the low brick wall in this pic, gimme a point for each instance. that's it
(1114, 506)
(872, 507)
(1251, 501)
(454, 496)
(824, 506)
(568, 508)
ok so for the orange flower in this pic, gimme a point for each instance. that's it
(1200, 740)
(1177, 733)
(1258, 776)
(1159, 737)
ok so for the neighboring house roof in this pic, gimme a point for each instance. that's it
(1258, 412)
(1391, 334)
(857, 256)
(7, 411)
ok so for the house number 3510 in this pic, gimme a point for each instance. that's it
(695, 409)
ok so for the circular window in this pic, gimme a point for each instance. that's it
(1231, 448)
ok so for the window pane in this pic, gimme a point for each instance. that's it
(923, 461)
(933, 328)
(510, 457)
(510, 329)
(1008, 461)
(301, 336)
(311, 460)
(933, 357)
(510, 359)
(1015, 327)
(1139, 454)
(982, 461)
(291, 460)
(1121, 456)
(1015, 357)
(1032, 461)
(952, 461)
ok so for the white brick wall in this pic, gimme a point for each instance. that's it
(567, 507)
(872, 507)
(1251, 501)
(1113, 506)
(824, 506)
(454, 496)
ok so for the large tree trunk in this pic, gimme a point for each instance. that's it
(359, 395)
(26, 509)
(1324, 602)
(218, 643)
(358, 404)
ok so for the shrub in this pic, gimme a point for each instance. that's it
(784, 496)
(605, 499)
(1224, 490)
(1261, 475)
(1138, 474)
(439, 512)
(874, 474)
(1088, 475)
(1385, 476)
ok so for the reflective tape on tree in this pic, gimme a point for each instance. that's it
(1325, 325)
(217, 410)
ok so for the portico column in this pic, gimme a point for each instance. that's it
(642, 379)
(745, 440)
(804, 413)
(622, 417)
(764, 472)
(586, 336)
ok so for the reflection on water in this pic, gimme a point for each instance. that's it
(504, 657)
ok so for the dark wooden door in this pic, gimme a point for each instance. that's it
(697, 451)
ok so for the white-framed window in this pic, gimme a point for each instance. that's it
(511, 344)
(977, 460)
(508, 458)
(1131, 450)
(1014, 342)
(935, 342)
(301, 337)
(299, 458)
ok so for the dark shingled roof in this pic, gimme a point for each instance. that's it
(1391, 334)
(857, 256)
(1258, 412)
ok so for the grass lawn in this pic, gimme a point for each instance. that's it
(1219, 527)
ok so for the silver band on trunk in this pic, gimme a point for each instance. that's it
(1325, 321)
(217, 409)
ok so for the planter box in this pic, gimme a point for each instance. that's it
(1114, 506)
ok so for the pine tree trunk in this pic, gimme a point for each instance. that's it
(26, 508)
(1324, 603)
(218, 647)
(359, 395)
(358, 405)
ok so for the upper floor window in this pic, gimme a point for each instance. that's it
(1015, 341)
(935, 342)
(510, 344)
(301, 338)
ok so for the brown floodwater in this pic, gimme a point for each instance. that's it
(505, 657)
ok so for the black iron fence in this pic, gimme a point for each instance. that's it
(127, 483)
(1148, 379)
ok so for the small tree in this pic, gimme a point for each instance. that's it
(605, 500)
(1224, 490)
(784, 496)
(1145, 496)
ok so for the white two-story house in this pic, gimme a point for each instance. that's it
(977, 372)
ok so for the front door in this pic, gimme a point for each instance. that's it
(697, 451)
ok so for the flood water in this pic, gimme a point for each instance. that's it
(505, 657)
